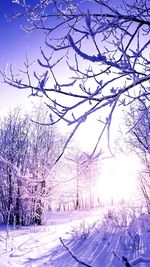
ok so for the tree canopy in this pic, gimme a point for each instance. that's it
(95, 59)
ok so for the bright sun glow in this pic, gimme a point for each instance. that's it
(118, 180)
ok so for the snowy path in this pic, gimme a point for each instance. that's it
(41, 246)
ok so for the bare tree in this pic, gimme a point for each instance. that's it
(102, 48)
(14, 148)
(43, 151)
(28, 151)
(137, 124)
(85, 182)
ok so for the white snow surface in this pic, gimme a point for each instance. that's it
(87, 235)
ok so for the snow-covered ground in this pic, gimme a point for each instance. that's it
(74, 239)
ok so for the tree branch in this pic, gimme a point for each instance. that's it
(72, 255)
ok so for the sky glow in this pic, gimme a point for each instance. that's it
(118, 181)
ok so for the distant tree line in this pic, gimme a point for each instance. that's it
(32, 148)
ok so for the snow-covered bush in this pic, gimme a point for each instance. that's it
(83, 231)
(130, 241)
(117, 217)
(142, 223)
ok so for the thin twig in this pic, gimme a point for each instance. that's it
(72, 255)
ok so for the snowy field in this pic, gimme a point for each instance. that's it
(77, 239)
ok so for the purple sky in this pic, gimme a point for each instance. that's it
(13, 38)
(13, 47)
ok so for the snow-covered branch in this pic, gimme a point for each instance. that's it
(16, 173)
(23, 178)
(102, 56)
(139, 260)
(72, 255)
(131, 263)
